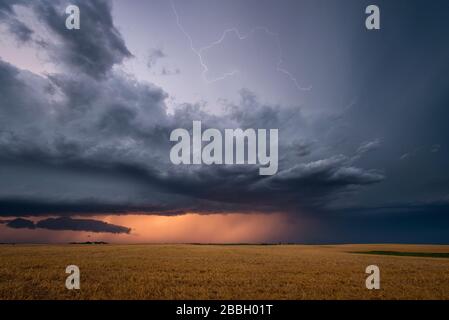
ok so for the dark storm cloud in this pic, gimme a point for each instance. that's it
(368, 146)
(117, 130)
(332, 172)
(88, 225)
(20, 223)
(68, 224)
(108, 139)
(16, 27)
(28, 207)
(399, 223)
(154, 56)
(19, 29)
(93, 49)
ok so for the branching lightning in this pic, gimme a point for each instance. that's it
(199, 52)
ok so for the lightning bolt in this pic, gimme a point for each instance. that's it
(199, 52)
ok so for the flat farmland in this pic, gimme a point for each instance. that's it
(222, 272)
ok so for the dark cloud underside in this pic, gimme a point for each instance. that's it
(68, 224)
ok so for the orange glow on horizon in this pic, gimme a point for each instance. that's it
(188, 228)
(196, 228)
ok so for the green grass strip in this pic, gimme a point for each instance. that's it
(407, 254)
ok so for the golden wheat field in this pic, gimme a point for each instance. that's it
(220, 272)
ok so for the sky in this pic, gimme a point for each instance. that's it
(86, 117)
